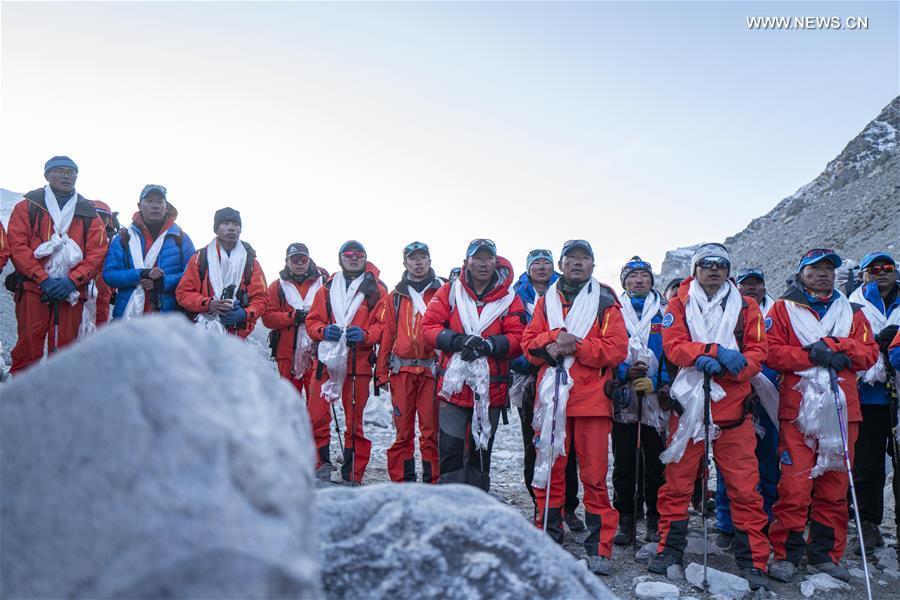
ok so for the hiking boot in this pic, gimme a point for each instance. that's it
(652, 534)
(724, 540)
(573, 522)
(660, 563)
(323, 473)
(783, 570)
(625, 534)
(756, 578)
(599, 565)
(871, 537)
(834, 569)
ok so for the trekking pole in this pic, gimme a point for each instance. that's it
(891, 385)
(55, 327)
(337, 427)
(637, 464)
(707, 399)
(353, 405)
(475, 413)
(835, 389)
(560, 375)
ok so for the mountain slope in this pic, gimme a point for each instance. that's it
(853, 206)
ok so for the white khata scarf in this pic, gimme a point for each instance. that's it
(135, 306)
(303, 350)
(418, 303)
(89, 312)
(578, 322)
(476, 374)
(709, 323)
(878, 321)
(63, 251)
(345, 301)
(223, 270)
(818, 417)
(765, 389)
(639, 351)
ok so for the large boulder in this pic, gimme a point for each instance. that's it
(448, 541)
(152, 460)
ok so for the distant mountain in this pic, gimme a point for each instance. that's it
(8, 199)
(852, 207)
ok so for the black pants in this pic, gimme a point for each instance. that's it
(526, 416)
(872, 444)
(624, 439)
(461, 461)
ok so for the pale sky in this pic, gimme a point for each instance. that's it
(638, 126)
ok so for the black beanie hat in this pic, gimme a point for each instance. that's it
(226, 214)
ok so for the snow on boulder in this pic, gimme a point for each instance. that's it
(439, 541)
(720, 583)
(821, 582)
(152, 460)
(656, 590)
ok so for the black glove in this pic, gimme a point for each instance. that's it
(636, 371)
(885, 337)
(299, 317)
(820, 354)
(458, 343)
(839, 361)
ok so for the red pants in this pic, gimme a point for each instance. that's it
(412, 394)
(589, 438)
(735, 454)
(284, 369)
(34, 323)
(320, 415)
(823, 499)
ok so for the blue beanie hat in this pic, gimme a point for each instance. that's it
(538, 254)
(60, 161)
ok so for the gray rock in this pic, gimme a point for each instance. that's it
(821, 582)
(720, 583)
(695, 546)
(892, 573)
(641, 579)
(450, 541)
(646, 552)
(675, 573)
(153, 460)
(858, 573)
(887, 558)
(656, 590)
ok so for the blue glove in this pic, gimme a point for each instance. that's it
(332, 333)
(708, 365)
(895, 357)
(48, 286)
(66, 286)
(234, 316)
(355, 335)
(732, 360)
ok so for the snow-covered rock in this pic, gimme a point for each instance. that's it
(675, 573)
(720, 583)
(152, 460)
(656, 590)
(821, 582)
(646, 552)
(448, 541)
(695, 546)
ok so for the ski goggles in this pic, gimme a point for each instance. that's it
(748, 273)
(152, 188)
(538, 254)
(879, 269)
(416, 246)
(818, 254)
(479, 243)
(637, 265)
(298, 259)
(353, 254)
(713, 262)
(573, 244)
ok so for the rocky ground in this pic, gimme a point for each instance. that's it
(508, 487)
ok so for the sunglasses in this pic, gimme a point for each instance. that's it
(817, 252)
(482, 242)
(713, 261)
(353, 254)
(637, 264)
(540, 254)
(410, 248)
(879, 269)
(299, 259)
(750, 273)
